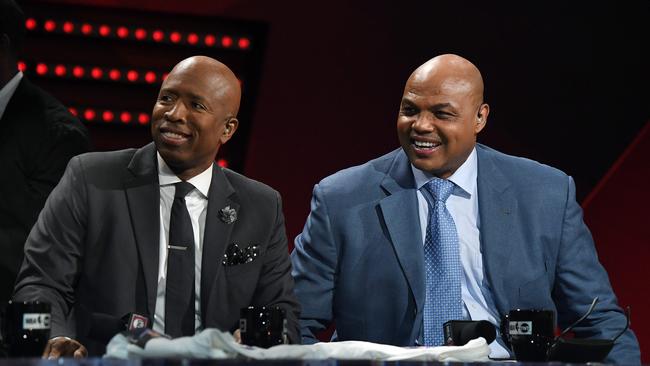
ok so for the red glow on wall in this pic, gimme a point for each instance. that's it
(73, 111)
(30, 23)
(125, 117)
(104, 30)
(164, 76)
(41, 69)
(143, 118)
(210, 40)
(22, 66)
(175, 37)
(140, 34)
(96, 73)
(222, 163)
(78, 71)
(192, 38)
(158, 35)
(86, 28)
(114, 74)
(108, 116)
(122, 32)
(132, 75)
(150, 77)
(244, 43)
(68, 27)
(226, 41)
(50, 25)
(60, 70)
(89, 114)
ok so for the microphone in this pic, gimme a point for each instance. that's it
(102, 327)
(459, 332)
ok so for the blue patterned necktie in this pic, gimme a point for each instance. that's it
(442, 264)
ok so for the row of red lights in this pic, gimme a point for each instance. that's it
(110, 116)
(93, 72)
(137, 33)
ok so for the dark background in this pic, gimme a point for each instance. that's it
(567, 84)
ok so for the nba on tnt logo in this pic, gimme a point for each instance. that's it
(35, 321)
(520, 328)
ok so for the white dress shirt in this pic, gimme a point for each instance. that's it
(197, 204)
(463, 207)
(8, 91)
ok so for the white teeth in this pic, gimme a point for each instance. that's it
(173, 135)
(424, 144)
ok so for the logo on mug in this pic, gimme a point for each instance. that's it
(34, 321)
(520, 327)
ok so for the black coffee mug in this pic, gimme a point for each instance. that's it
(26, 327)
(263, 326)
(530, 333)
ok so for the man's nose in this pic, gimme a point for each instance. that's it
(424, 122)
(177, 113)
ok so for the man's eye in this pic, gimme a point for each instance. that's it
(198, 106)
(165, 98)
(443, 115)
(409, 111)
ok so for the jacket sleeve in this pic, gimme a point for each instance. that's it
(314, 270)
(54, 249)
(579, 279)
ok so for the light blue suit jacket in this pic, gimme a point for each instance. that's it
(359, 260)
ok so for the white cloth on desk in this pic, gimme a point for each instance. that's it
(215, 344)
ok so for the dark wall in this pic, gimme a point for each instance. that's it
(567, 83)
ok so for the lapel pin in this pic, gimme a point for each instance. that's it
(228, 215)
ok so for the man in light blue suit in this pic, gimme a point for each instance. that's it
(521, 242)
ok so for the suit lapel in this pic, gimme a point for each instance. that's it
(217, 233)
(497, 211)
(143, 199)
(400, 213)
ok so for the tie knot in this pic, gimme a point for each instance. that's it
(182, 189)
(440, 189)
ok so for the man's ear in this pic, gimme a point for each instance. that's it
(481, 117)
(229, 129)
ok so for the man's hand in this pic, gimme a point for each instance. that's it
(64, 347)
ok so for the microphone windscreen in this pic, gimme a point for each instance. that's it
(475, 329)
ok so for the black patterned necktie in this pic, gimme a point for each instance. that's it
(179, 289)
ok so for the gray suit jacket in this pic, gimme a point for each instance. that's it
(359, 260)
(94, 248)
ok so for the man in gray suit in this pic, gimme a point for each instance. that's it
(105, 243)
(507, 234)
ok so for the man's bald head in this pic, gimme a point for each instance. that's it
(454, 72)
(224, 83)
(441, 113)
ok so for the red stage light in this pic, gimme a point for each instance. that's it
(158, 35)
(192, 38)
(89, 114)
(175, 37)
(68, 27)
(96, 73)
(140, 33)
(114, 74)
(73, 111)
(78, 71)
(41, 69)
(30, 23)
(150, 77)
(125, 117)
(210, 40)
(132, 75)
(59, 70)
(86, 28)
(222, 163)
(244, 43)
(226, 41)
(143, 118)
(50, 25)
(108, 116)
(104, 30)
(22, 66)
(122, 32)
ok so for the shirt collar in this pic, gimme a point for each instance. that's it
(464, 177)
(167, 177)
(8, 90)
